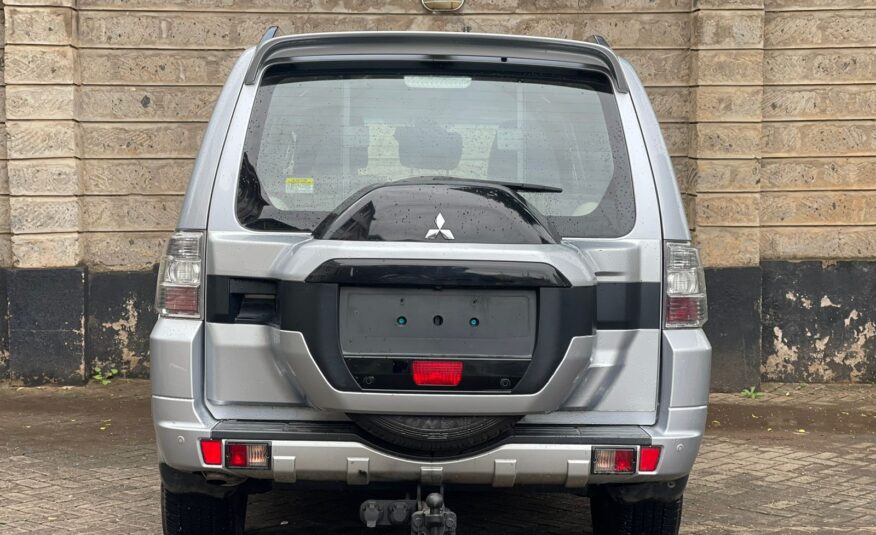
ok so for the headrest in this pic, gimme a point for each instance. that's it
(428, 146)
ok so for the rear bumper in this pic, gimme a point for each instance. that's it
(335, 453)
(181, 420)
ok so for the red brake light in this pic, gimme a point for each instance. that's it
(236, 454)
(624, 461)
(437, 372)
(182, 300)
(649, 457)
(211, 451)
(683, 310)
(614, 461)
(250, 455)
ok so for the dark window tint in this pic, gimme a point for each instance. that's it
(316, 139)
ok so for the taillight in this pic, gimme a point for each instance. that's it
(685, 283)
(179, 278)
(437, 372)
(249, 455)
(614, 461)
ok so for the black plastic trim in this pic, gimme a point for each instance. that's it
(296, 47)
(480, 375)
(179, 482)
(350, 432)
(431, 273)
(628, 305)
(660, 491)
(241, 300)
(312, 309)
(619, 305)
(563, 313)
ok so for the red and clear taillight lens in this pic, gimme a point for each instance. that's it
(251, 455)
(614, 461)
(178, 293)
(437, 372)
(685, 284)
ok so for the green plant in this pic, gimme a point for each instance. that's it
(751, 393)
(104, 377)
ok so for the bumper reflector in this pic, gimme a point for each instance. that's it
(211, 452)
(649, 458)
(250, 455)
(614, 461)
(437, 372)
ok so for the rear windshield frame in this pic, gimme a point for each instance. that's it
(614, 217)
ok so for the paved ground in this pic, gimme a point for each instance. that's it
(800, 460)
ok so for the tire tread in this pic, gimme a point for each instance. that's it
(640, 518)
(196, 514)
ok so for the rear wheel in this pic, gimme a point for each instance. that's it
(647, 517)
(197, 514)
(444, 434)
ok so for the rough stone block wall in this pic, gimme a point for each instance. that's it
(768, 108)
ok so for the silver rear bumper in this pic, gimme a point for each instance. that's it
(505, 466)
(181, 420)
(358, 463)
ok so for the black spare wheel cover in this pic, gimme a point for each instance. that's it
(474, 212)
(438, 434)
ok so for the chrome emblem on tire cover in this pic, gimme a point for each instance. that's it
(434, 232)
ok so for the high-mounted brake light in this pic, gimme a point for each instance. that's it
(685, 282)
(179, 277)
(437, 372)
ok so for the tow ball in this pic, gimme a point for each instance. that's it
(429, 517)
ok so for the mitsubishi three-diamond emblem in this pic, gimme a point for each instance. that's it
(434, 232)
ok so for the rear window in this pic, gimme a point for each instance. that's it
(314, 140)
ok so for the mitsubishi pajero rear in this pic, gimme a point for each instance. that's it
(423, 261)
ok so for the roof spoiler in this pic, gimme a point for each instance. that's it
(595, 52)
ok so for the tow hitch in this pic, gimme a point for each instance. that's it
(429, 517)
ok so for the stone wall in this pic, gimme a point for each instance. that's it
(767, 107)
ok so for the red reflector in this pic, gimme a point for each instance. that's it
(648, 458)
(211, 451)
(236, 455)
(437, 372)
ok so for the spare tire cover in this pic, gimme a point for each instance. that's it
(438, 434)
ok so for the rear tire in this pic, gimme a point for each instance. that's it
(197, 514)
(647, 517)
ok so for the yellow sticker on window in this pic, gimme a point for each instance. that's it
(299, 185)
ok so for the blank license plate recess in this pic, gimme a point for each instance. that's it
(437, 323)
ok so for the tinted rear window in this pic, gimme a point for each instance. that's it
(316, 139)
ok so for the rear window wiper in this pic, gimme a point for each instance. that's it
(524, 186)
(516, 186)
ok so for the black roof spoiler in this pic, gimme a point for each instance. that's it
(593, 53)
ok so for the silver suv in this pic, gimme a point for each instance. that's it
(430, 260)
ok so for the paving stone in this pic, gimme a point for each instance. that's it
(739, 485)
